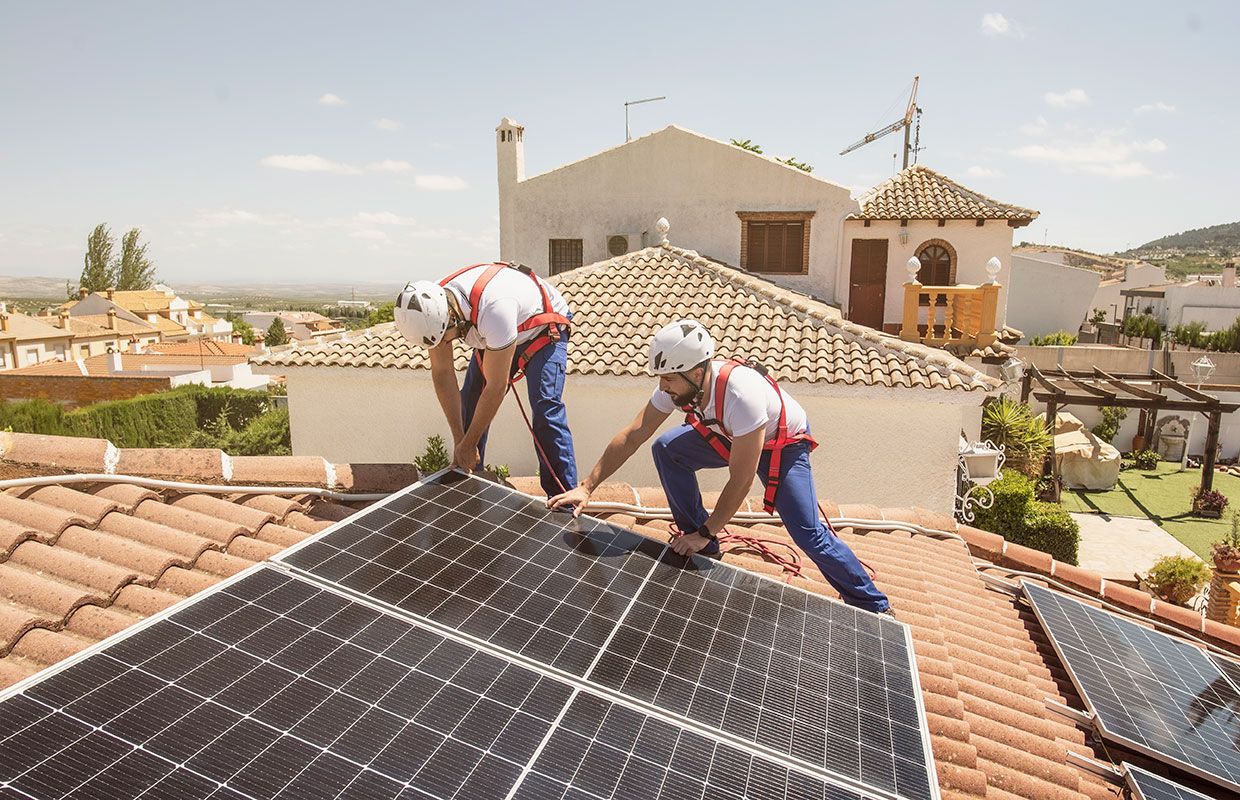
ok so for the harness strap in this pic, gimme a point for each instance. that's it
(722, 444)
(549, 316)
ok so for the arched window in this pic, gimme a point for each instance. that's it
(936, 266)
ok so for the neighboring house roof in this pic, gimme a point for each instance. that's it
(618, 305)
(921, 193)
(207, 346)
(144, 300)
(167, 327)
(123, 326)
(26, 328)
(131, 364)
(82, 562)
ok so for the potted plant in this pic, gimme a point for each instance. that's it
(1209, 504)
(1177, 579)
(1226, 552)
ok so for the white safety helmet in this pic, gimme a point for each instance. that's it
(680, 347)
(422, 313)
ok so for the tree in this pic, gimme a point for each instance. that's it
(243, 329)
(98, 271)
(134, 271)
(384, 313)
(276, 335)
(747, 145)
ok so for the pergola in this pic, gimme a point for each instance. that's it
(1058, 388)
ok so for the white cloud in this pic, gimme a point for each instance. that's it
(386, 124)
(1101, 154)
(388, 165)
(370, 233)
(309, 163)
(1036, 128)
(983, 172)
(330, 99)
(995, 24)
(1072, 97)
(1159, 106)
(441, 183)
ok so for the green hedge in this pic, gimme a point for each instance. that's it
(1017, 517)
(238, 421)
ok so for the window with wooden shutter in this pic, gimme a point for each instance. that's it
(775, 242)
(563, 254)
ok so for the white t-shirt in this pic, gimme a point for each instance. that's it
(749, 402)
(510, 298)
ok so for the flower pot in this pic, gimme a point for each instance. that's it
(1210, 513)
(1138, 443)
(1228, 564)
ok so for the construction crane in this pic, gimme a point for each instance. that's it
(906, 123)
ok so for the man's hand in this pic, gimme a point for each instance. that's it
(465, 456)
(575, 497)
(689, 543)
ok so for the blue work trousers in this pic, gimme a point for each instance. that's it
(681, 452)
(544, 382)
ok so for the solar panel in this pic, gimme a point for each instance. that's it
(274, 687)
(1148, 786)
(809, 678)
(458, 640)
(492, 563)
(1147, 690)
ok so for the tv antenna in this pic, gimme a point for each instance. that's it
(906, 122)
(627, 135)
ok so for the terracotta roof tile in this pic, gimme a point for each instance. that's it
(374, 477)
(620, 303)
(209, 505)
(126, 495)
(202, 464)
(66, 453)
(921, 193)
(184, 519)
(84, 506)
(279, 470)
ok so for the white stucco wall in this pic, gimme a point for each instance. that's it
(1107, 296)
(974, 246)
(887, 447)
(1217, 306)
(1045, 297)
(697, 183)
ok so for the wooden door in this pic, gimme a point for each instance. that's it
(868, 282)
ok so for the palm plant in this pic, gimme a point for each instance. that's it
(1013, 426)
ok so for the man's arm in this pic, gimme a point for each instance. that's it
(618, 451)
(443, 376)
(742, 465)
(496, 367)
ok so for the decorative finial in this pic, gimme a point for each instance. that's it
(662, 226)
(912, 266)
(992, 269)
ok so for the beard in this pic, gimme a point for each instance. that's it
(684, 399)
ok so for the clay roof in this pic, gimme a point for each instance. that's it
(921, 193)
(618, 305)
(147, 300)
(97, 366)
(207, 346)
(80, 562)
(23, 327)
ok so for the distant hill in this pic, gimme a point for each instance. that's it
(1217, 240)
(44, 287)
(1077, 258)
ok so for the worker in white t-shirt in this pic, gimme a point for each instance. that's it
(518, 325)
(737, 417)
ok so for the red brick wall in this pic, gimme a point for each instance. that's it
(72, 391)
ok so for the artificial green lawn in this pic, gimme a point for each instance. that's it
(1163, 495)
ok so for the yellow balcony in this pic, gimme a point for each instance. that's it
(943, 315)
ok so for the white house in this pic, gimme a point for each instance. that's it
(1136, 276)
(300, 325)
(887, 413)
(1045, 295)
(795, 229)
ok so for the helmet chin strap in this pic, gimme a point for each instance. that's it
(700, 391)
(460, 322)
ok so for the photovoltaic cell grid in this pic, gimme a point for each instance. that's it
(273, 687)
(1148, 786)
(492, 563)
(1146, 689)
(818, 681)
(810, 679)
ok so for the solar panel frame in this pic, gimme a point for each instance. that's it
(1146, 785)
(1118, 718)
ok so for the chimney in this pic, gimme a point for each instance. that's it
(64, 320)
(111, 319)
(114, 363)
(4, 321)
(510, 158)
(83, 292)
(111, 292)
(1229, 275)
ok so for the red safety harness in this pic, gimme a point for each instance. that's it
(723, 444)
(549, 317)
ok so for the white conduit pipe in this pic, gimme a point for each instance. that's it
(154, 483)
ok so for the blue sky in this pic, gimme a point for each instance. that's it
(290, 141)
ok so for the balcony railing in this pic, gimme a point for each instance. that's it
(954, 314)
